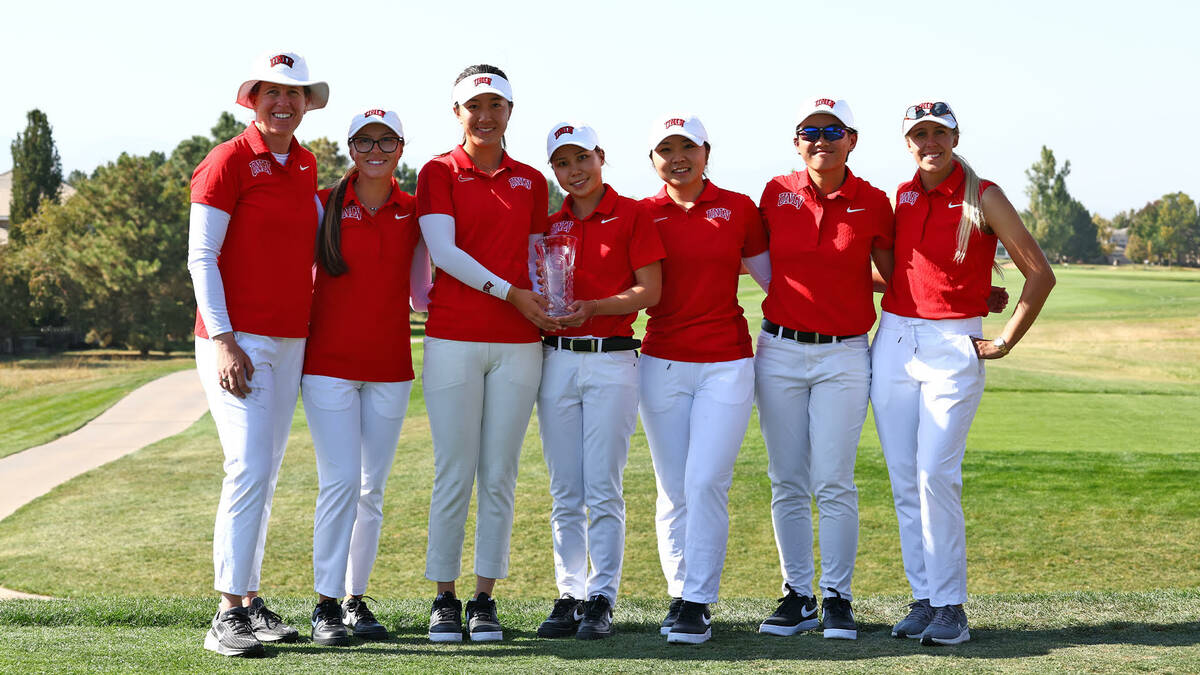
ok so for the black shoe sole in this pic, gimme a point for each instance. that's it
(339, 641)
(277, 638)
(373, 635)
(593, 634)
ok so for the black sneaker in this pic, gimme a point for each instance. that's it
(327, 626)
(231, 635)
(672, 614)
(693, 626)
(920, 613)
(597, 619)
(482, 623)
(795, 613)
(837, 618)
(268, 626)
(361, 621)
(445, 619)
(564, 618)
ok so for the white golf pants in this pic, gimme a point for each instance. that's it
(355, 427)
(695, 416)
(480, 397)
(812, 402)
(587, 410)
(254, 433)
(926, 385)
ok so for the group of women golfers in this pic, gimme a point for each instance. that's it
(306, 291)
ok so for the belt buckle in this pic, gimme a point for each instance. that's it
(597, 344)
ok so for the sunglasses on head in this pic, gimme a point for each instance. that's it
(388, 144)
(833, 132)
(938, 109)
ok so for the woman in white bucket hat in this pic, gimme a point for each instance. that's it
(252, 231)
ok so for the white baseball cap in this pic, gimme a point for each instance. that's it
(688, 126)
(387, 118)
(481, 83)
(838, 108)
(570, 133)
(938, 112)
(287, 68)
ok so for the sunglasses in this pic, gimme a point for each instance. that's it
(833, 132)
(938, 109)
(387, 144)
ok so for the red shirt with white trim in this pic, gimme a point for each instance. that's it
(821, 252)
(359, 327)
(614, 241)
(928, 283)
(266, 258)
(698, 318)
(494, 215)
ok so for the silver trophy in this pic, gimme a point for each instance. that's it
(556, 260)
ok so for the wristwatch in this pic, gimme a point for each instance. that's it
(1001, 346)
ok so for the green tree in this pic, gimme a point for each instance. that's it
(37, 169)
(226, 128)
(1167, 230)
(406, 176)
(15, 314)
(331, 163)
(1062, 226)
(556, 196)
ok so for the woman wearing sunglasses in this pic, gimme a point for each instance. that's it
(928, 354)
(697, 374)
(812, 372)
(479, 212)
(358, 367)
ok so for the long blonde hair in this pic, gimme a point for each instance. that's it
(972, 209)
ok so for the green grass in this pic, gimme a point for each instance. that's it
(42, 398)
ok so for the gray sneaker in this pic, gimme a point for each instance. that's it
(230, 634)
(269, 626)
(949, 627)
(920, 613)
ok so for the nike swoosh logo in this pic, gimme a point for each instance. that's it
(402, 217)
(578, 614)
(806, 612)
(463, 179)
(663, 218)
(303, 168)
(854, 210)
(605, 220)
(954, 206)
(707, 621)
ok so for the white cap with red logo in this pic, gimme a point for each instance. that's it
(481, 83)
(387, 118)
(688, 126)
(570, 133)
(838, 108)
(938, 113)
(287, 68)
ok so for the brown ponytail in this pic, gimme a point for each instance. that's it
(329, 241)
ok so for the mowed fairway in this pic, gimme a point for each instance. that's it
(1080, 476)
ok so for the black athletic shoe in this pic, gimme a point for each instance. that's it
(445, 619)
(482, 623)
(597, 619)
(837, 618)
(672, 614)
(795, 613)
(268, 626)
(564, 618)
(361, 621)
(231, 634)
(327, 626)
(693, 626)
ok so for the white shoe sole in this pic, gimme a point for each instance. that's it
(212, 644)
(962, 637)
(689, 638)
(840, 634)
(445, 637)
(491, 636)
(774, 629)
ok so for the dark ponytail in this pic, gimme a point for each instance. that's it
(329, 242)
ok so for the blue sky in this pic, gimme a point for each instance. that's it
(1110, 86)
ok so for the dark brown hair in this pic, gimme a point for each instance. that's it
(329, 239)
(481, 69)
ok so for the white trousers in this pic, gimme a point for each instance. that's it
(812, 402)
(695, 416)
(480, 397)
(587, 410)
(254, 433)
(355, 427)
(926, 386)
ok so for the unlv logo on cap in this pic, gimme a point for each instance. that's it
(909, 197)
(374, 112)
(483, 80)
(824, 101)
(563, 130)
(673, 122)
(282, 58)
(258, 166)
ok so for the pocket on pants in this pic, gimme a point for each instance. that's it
(327, 393)
(445, 363)
(657, 385)
(731, 382)
(389, 399)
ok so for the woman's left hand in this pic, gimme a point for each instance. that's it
(580, 311)
(985, 349)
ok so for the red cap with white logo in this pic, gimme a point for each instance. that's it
(838, 108)
(570, 133)
(387, 118)
(287, 68)
(688, 126)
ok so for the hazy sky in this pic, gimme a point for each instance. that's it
(1110, 86)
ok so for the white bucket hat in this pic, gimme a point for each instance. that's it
(839, 109)
(387, 118)
(688, 126)
(287, 68)
(570, 133)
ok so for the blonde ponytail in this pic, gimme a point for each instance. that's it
(972, 209)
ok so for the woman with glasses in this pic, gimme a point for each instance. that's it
(812, 372)
(358, 367)
(480, 211)
(928, 354)
(697, 374)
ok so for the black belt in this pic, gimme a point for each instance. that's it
(610, 344)
(806, 337)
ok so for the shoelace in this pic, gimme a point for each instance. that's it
(945, 616)
(920, 610)
(238, 623)
(362, 612)
(329, 610)
(445, 612)
(271, 619)
(596, 609)
(563, 607)
(792, 599)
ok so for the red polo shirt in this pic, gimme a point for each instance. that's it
(821, 252)
(616, 239)
(266, 259)
(698, 318)
(359, 325)
(928, 283)
(494, 214)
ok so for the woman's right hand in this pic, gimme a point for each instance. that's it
(533, 307)
(234, 369)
